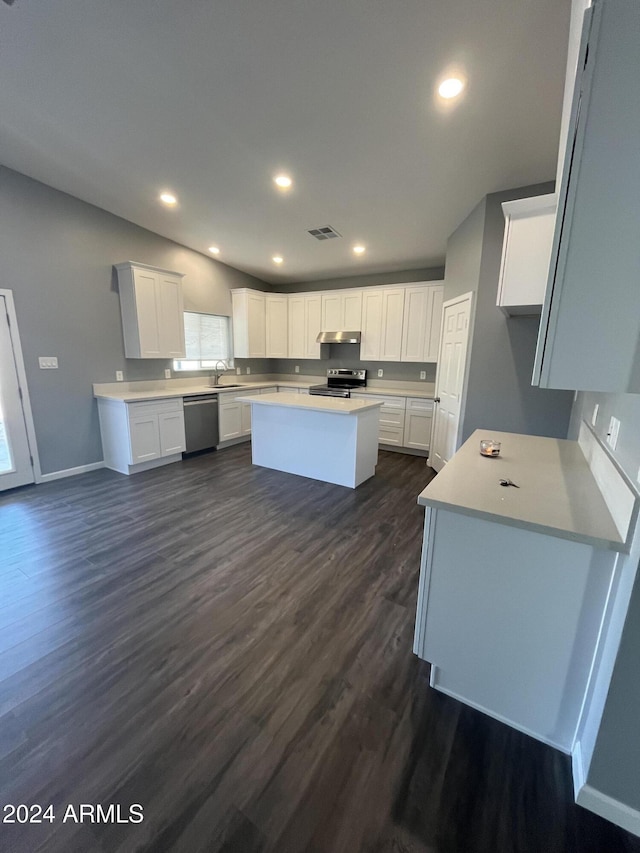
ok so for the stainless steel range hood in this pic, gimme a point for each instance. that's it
(338, 338)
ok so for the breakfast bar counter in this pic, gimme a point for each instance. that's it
(324, 438)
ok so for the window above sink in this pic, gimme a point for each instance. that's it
(207, 342)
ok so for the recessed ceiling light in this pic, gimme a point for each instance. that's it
(283, 181)
(214, 250)
(451, 87)
(358, 250)
(277, 259)
(168, 198)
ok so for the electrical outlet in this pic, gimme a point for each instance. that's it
(594, 416)
(423, 374)
(248, 370)
(167, 373)
(380, 373)
(48, 362)
(297, 368)
(612, 435)
(238, 371)
(119, 376)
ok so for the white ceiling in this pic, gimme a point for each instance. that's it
(115, 101)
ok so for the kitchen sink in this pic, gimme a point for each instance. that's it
(224, 387)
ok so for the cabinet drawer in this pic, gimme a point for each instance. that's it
(154, 407)
(268, 390)
(393, 419)
(389, 404)
(391, 435)
(419, 404)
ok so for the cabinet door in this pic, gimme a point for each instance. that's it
(332, 312)
(171, 315)
(415, 330)
(230, 419)
(312, 323)
(417, 430)
(434, 322)
(371, 341)
(392, 316)
(172, 436)
(352, 310)
(245, 418)
(147, 314)
(144, 433)
(276, 326)
(297, 337)
(589, 335)
(257, 326)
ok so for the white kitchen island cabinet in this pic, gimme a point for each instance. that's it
(515, 583)
(323, 438)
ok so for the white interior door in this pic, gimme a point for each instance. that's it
(16, 467)
(456, 316)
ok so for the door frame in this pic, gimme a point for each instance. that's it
(22, 381)
(462, 297)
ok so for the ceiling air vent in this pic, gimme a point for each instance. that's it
(324, 233)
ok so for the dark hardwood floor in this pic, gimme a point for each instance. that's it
(230, 647)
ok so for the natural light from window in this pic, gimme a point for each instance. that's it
(207, 341)
(5, 454)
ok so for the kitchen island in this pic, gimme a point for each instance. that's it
(518, 582)
(325, 438)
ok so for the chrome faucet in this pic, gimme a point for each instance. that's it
(217, 373)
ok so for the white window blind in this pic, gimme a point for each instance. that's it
(207, 340)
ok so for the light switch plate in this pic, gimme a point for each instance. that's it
(48, 362)
(423, 374)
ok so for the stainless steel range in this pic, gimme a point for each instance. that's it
(340, 382)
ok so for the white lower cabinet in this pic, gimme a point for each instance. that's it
(138, 436)
(405, 422)
(234, 417)
(417, 423)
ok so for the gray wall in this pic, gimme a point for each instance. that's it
(615, 766)
(499, 392)
(57, 256)
(428, 274)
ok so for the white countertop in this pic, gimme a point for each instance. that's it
(558, 494)
(335, 405)
(126, 392)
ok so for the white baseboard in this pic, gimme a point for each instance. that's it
(69, 472)
(610, 809)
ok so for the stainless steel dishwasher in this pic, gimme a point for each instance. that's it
(201, 422)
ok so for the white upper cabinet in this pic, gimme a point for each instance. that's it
(590, 328)
(382, 317)
(312, 323)
(249, 323)
(151, 305)
(276, 320)
(305, 315)
(342, 311)
(422, 320)
(526, 252)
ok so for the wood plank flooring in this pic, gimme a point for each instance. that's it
(230, 647)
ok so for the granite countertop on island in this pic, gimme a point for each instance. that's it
(309, 402)
(557, 492)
